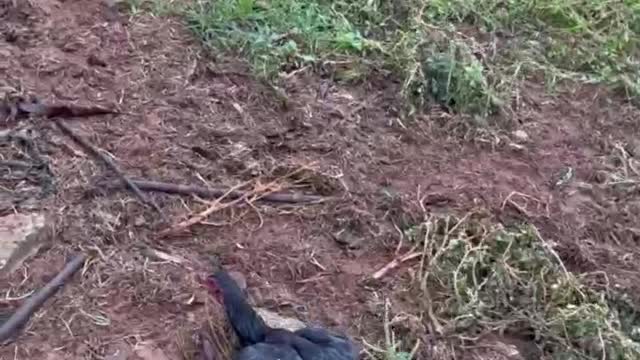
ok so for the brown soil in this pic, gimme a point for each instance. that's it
(188, 119)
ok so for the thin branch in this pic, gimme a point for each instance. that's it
(276, 197)
(108, 162)
(33, 303)
(395, 263)
(15, 164)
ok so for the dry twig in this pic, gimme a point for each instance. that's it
(108, 162)
(275, 197)
(33, 303)
(395, 263)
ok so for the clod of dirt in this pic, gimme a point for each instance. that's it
(347, 239)
(11, 36)
(95, 60)
(21, 236)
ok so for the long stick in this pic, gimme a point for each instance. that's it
(107, 161)
(285, 198)
(33, 303)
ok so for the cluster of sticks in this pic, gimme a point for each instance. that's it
(23, 108)
(266, 192)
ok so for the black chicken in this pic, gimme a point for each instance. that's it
(259, 341)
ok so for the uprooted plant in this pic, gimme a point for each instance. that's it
(478, 279)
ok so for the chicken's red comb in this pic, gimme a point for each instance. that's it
(210, 283)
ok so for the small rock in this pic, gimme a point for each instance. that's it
(272, 319)
(277, 321)
(21, 236)
(521, 135)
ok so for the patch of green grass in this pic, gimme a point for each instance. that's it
(591, 40)
(468, 55)
(479, 279)
(352, 37)
(450, 75)
(278, 35)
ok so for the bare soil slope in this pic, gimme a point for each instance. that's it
(187, 118)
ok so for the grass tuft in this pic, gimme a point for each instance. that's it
(277, 35)
(468, 55)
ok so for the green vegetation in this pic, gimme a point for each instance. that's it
(467, 54)
(281, 34)
(478, 279)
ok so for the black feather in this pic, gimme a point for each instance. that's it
(260, 342)
(265, 351)
(249, 327)
(320, 344)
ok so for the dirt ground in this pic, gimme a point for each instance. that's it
(188, 117)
